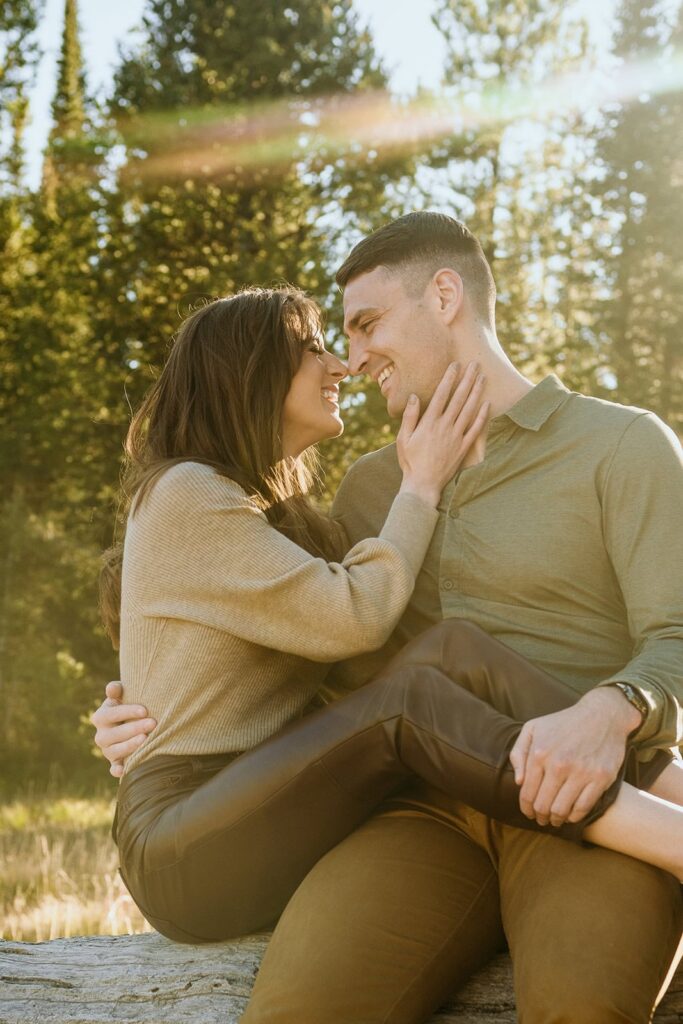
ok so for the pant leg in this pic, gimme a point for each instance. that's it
(383, 929)
(592, 932)
(507, 681)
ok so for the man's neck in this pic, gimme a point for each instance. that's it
(505, 385)
(505, 389)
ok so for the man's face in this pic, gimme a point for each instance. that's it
(396, 338)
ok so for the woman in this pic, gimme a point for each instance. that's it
(235, 595)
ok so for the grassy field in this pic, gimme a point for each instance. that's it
(59, 874)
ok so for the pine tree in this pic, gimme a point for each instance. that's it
(643, 190)
(51, 396)
(68, 105)
(511, 168)
(19, 55)
(182, 236)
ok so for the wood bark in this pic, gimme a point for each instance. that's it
(145, 979)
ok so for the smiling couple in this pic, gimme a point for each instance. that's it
(516, 557)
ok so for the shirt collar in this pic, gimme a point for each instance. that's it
(538, 405)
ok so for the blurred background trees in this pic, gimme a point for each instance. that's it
(254, 143)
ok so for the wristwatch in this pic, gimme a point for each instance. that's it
(635, 697)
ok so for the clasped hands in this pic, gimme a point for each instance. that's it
(565, 761)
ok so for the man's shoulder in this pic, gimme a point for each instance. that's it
(591, 413)
(383, 461)
(605, 425)
(618, 438)
(368, 489)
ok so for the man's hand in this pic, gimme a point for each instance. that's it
(121, 728)
(565, 761)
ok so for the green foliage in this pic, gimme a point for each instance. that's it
(18, 59)
(642, 187)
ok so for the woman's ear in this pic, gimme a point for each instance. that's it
(448, 292)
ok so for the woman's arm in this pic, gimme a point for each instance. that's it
(199, 549)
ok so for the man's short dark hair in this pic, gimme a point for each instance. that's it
(424, 243)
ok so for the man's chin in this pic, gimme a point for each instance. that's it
(396, 407)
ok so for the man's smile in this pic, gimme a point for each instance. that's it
(384, 375)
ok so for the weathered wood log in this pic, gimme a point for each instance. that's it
(145, 979)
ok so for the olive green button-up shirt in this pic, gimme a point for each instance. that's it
(565, 543)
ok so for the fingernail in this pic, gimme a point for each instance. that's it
(413, 399)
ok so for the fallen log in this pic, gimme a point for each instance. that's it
(145, 979)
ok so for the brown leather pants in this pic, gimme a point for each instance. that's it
(213, 847)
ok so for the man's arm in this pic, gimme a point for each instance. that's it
(565, 761)
(121, 728)
(642, 522)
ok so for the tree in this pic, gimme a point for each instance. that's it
(642, 187)
(49, 399)
(511, 167)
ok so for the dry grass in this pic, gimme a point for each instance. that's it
(59, 874)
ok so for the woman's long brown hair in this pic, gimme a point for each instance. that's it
(219, 401)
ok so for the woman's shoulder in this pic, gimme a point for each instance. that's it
(199, 486)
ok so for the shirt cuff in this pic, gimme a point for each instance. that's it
(654, 699)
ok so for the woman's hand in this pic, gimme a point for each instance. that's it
(432, 448)
(121, 728)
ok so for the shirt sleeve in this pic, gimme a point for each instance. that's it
(212, 557)
(642, 503)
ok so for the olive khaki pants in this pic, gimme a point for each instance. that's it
(397, 916)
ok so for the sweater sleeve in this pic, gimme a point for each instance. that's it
(642, 502)
(203, 551)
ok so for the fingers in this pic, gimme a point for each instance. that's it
(114, 691)
(586, 801)
(473, 431)
(548, 792)
(520, 752)
(107, 714)
(120, 733)
(565, 800)
(444, 390)
(116, 769)
(120, 751)
(465, 400)
(532, 783)
(411, 415)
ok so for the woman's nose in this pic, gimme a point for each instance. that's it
(337, 368)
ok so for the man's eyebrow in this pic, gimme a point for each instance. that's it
(353, 322)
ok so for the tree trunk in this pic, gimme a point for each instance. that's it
(145, 979)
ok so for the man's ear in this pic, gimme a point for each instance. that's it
(448, 293)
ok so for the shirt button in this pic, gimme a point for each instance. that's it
(447, 584)
(454, 513)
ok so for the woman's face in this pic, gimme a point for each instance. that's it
(311, 408)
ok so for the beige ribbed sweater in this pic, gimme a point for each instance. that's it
(228, 627)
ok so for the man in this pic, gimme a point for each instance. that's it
(561, 537)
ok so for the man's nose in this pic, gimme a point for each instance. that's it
(358, 360)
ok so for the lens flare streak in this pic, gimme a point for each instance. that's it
(209, 142)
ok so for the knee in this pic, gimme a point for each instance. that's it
(566, 997)
(449, 642)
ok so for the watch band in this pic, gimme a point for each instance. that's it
(635, 697)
